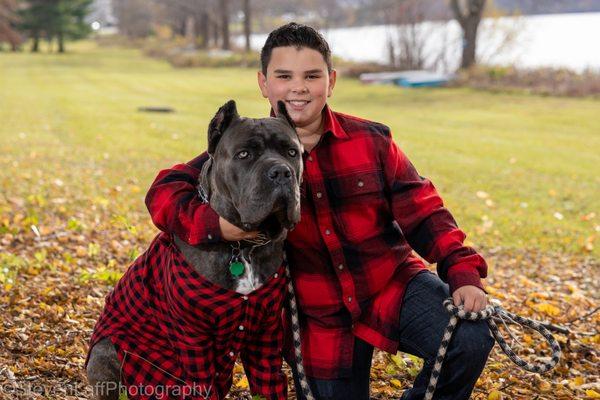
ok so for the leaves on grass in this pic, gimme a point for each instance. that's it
(53, 284)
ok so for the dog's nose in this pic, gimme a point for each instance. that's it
(279, 174)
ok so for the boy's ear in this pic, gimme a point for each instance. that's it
(283, 114)
(262, 84)
(332, 79)
(221, 121)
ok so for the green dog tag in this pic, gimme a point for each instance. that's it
(236, 268)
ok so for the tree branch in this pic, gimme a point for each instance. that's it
(458, 15)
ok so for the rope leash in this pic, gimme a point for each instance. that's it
(493, 314)
(296, 337)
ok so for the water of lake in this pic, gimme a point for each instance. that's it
(560, 40)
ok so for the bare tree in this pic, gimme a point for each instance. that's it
(135, 17)
(415, 42)
(409, 17)
(468, 14)
(224, 8)
(8, 19)
(247, 23)
(501, 33)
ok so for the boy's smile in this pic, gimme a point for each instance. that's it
(300, 78)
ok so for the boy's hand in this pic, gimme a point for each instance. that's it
(232, 233)
(471, 297)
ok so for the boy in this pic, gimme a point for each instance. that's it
(364, 209)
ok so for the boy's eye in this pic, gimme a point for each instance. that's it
(292, 152)
(313, 76)
(242, 154)
(283, 76)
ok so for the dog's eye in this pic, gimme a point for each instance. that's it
(292, 152)
(242, 154)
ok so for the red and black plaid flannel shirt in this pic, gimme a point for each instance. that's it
(364, 209)
(178, 335)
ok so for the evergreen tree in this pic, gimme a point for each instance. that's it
(55, 19)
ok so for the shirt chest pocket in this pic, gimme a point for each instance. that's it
(358, 204)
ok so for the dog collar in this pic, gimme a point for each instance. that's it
(236, 265)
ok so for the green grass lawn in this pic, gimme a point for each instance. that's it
(71, 139)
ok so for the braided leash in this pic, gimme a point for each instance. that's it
(491, 313)
(296, 336)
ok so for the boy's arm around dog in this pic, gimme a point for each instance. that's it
(176, 207)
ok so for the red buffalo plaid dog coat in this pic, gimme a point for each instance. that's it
(178, 335)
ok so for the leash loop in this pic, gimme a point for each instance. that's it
(492, 314)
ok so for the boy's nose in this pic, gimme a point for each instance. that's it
(299, 87)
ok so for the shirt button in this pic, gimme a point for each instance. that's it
(319, 195)
(341, 267)
(349, 299)
(327, 231)
(361, 184)
(245, 297)
(309, 158)
(241, 327)
(276, 275)
(231, 354)
(209, 237)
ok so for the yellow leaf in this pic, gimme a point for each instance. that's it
(546, 308)
(32, 271)
(390, 369)
(81, 251)
(396, 383)
(544, 386)
(397, 358)
(242, 383)
(592, 394)
(578, 381)
(495, 395)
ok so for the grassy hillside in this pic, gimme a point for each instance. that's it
(516, 170)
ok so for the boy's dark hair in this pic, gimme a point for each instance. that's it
(297, 35)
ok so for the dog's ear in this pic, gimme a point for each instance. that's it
(221, 121)
(283, 114)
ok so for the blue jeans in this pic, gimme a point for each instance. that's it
(422, 323)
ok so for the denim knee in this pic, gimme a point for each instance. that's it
(473, 341)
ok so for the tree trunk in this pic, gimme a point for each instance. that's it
(247, 23)
(35, 45)
(225, 23)
(216, 34)
(469, 18)
(190, 31)
(204, 30)
(61, 42)
(469, 43)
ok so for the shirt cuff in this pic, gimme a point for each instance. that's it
(210, 231)
(462, 275)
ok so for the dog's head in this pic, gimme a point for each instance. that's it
(256, 170)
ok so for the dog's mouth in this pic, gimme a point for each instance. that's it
(280, 217)
(277, 220)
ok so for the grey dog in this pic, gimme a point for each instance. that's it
(252, 179)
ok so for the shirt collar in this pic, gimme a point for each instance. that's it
(330, 123)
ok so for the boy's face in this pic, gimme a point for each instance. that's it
(299, 77)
